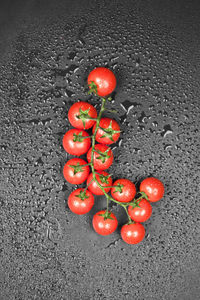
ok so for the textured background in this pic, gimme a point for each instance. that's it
(47, 49)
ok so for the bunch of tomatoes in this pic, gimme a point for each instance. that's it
(105, 131)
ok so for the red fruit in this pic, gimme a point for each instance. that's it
(132, 233)
(141, 213)
(104, 222)
(74, 142)
(75, 171)
(104, 179)
(108, 132)
(153, 188)
(104, 79)
(80, 201)
(80, 113)
(124, 191)
(102, 157)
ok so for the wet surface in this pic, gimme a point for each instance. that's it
(47, 51)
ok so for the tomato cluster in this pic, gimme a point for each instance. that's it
(106, 131)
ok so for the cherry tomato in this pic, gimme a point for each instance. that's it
(75, 142)
(108, 132)
(142, 212)
(104, 179)
(132, 233)
(80, 113)
(153, 188)
(124, 191)
(75, 172)
(104, 79)
(104, 222)
(80, 201)
(102, 157)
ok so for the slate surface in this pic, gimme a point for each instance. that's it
(47, 49)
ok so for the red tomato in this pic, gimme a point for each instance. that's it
(80, 201)
(104, 222)
(80, 113)
(108, 132)
(102, 157)
(124, 191)
(104, 179)
(104, 79)
(74, 142)
(75, 172)
(153, 188)
(142, 212)
(132, 233)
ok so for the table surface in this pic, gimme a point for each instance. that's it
(47, 49)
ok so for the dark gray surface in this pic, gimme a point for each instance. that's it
(47, 51)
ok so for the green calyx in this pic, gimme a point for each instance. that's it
(78, 137)
(82, 195)
(93, 88)
(106, 215)
(109, 132)
(84, 115)
(77, 168)
(118, 188)
(104, 179)
(135, 203)
(102, 155)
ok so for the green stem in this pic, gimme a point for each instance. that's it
(93, 145)
(129, 218)
(89, 164)
(101, 174)
(88, 185)
(98, 173)
(108, 197)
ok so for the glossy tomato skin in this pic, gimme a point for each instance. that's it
(104, 227)
(76, 147)
(133, 233)
(128, 190)
(98, 163)
(94, 188)
(79, 206)
(142, 213)
(74, 111)
(153, 188)
(106, 123)
(104, 79)
(79, 177)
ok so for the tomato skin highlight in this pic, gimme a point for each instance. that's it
(142, 213)
(78, 206)
(74, 111)
(76, 148)
(153, 188)
(98, 164)
(104, 79)
(105, 123)
(94, 188)
(104, 227)
(128, 190)
(133, 233)
(79, 177)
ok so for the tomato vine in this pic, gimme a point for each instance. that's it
(82, 115)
